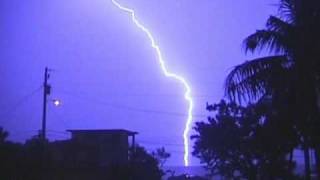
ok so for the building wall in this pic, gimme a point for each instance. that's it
(103, 149)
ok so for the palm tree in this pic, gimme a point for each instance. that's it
(291, 75)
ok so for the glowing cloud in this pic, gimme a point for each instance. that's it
(167, 74)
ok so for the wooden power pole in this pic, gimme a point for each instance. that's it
(46, 92)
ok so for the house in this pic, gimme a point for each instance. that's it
(102, 147)
(92, 154)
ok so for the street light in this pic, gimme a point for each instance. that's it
(56, 102)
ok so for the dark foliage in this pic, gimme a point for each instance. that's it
(145, 166)
(290, 75)
(37, 160)
(186, 177)
(244, 142)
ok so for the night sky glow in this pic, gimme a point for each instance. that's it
(109, 72)
(188, 96)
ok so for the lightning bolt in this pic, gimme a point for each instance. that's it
(167, 73)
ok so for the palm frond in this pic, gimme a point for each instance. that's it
(253, 79)
(278, 25)
(271, 40)
(288, 10)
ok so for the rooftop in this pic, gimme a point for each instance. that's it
(103, 131)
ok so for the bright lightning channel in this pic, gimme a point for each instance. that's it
(187, 94)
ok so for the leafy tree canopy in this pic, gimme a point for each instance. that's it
(243, 142)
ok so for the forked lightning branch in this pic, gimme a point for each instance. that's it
(168, 74)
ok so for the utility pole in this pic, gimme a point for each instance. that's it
(46, 92)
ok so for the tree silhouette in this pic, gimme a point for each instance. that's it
(244, 142)
(10, 157)
(145, 166)
(3, 135)
(161, 155)
(291, 74)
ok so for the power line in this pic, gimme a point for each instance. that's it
(161, 143)
(170, 151)
(21, 101)
(169, 95)
(58, 132)
(129, 108)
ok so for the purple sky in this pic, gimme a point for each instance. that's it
(106, 73)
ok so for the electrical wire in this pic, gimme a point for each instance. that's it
(161, 143)
(129, 108)
(168, 95)
(20, 102)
